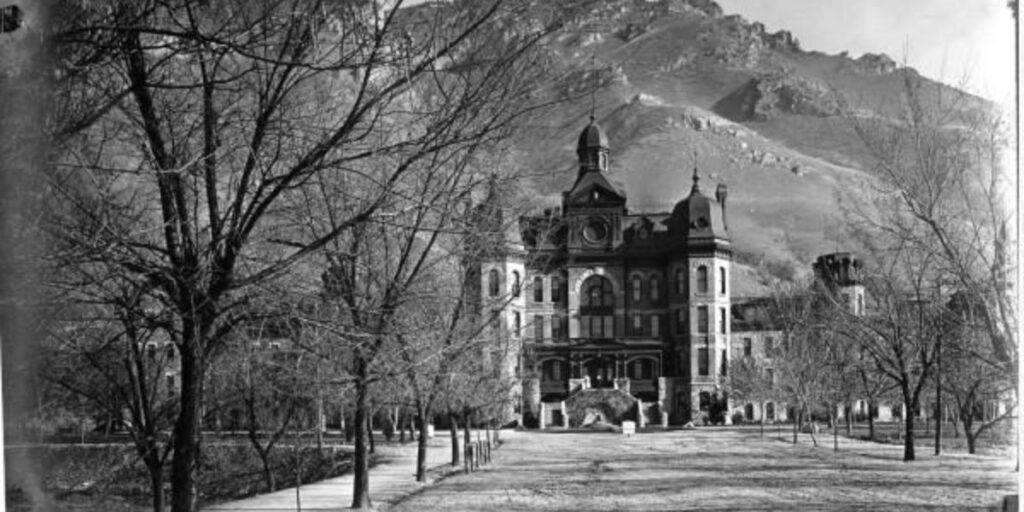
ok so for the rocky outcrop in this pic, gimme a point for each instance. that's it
(708, 7)
(762, 97)
(875, 64)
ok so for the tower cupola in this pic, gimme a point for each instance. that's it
(592, 149)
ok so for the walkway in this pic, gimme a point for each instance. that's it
(393, 477)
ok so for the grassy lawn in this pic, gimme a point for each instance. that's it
(716, 469)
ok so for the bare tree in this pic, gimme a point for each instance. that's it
(941, 159)
(971, 376)
(109, 348)
(902, 329)
(750, 381)
(207, 117)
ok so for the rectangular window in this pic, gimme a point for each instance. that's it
(723, 321)
(769, 345)
(517, 324)
(748, 347)
(680, 282)
(770, 377)
(538, 289)
(609, 327)
(556, 327)
(538, 327)
(680, 321)
(702, 319)
(556, 288)
(702, 361)
(725, 363)
(584, 327)
(638, 325)
(556, 371)
(655, 327)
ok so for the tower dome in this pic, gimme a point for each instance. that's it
(699, 216)
(592, 148)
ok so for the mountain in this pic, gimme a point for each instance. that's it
(671, 78)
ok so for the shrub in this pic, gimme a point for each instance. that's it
(738, 418)
(616, 405)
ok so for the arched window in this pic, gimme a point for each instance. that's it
(516, 284)
(769, 411)
(597, 292)
(636, 288)
(556, 289)
(655, 288)
(680, 281)
(748, 412)
(494, 283)
(721, 280)
(538, 289)
(702, 279)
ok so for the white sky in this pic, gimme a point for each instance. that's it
(942, 39)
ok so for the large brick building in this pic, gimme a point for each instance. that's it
(601, 297)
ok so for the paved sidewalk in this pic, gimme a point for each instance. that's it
(393, 477)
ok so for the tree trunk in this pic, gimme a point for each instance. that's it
(156, 484)
(796, 425)
(268, 473)
(467, 444)
(908, 439)
(421, 445)
(401, 427)
(871, 422)
(969, 435)
(184, 467)
(453, 426)
(849, 420)
(835, 433)
(361, 466)
(810, 426)
(319, 423)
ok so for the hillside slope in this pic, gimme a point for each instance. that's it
(669, 79)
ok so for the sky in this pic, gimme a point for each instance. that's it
(947, 40)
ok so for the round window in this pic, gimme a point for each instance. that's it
(595, 231)
(701, 222)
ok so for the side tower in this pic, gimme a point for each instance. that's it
(700, 304)
(495, 264)
(840, 273)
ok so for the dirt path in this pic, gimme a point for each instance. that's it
(714, 470)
